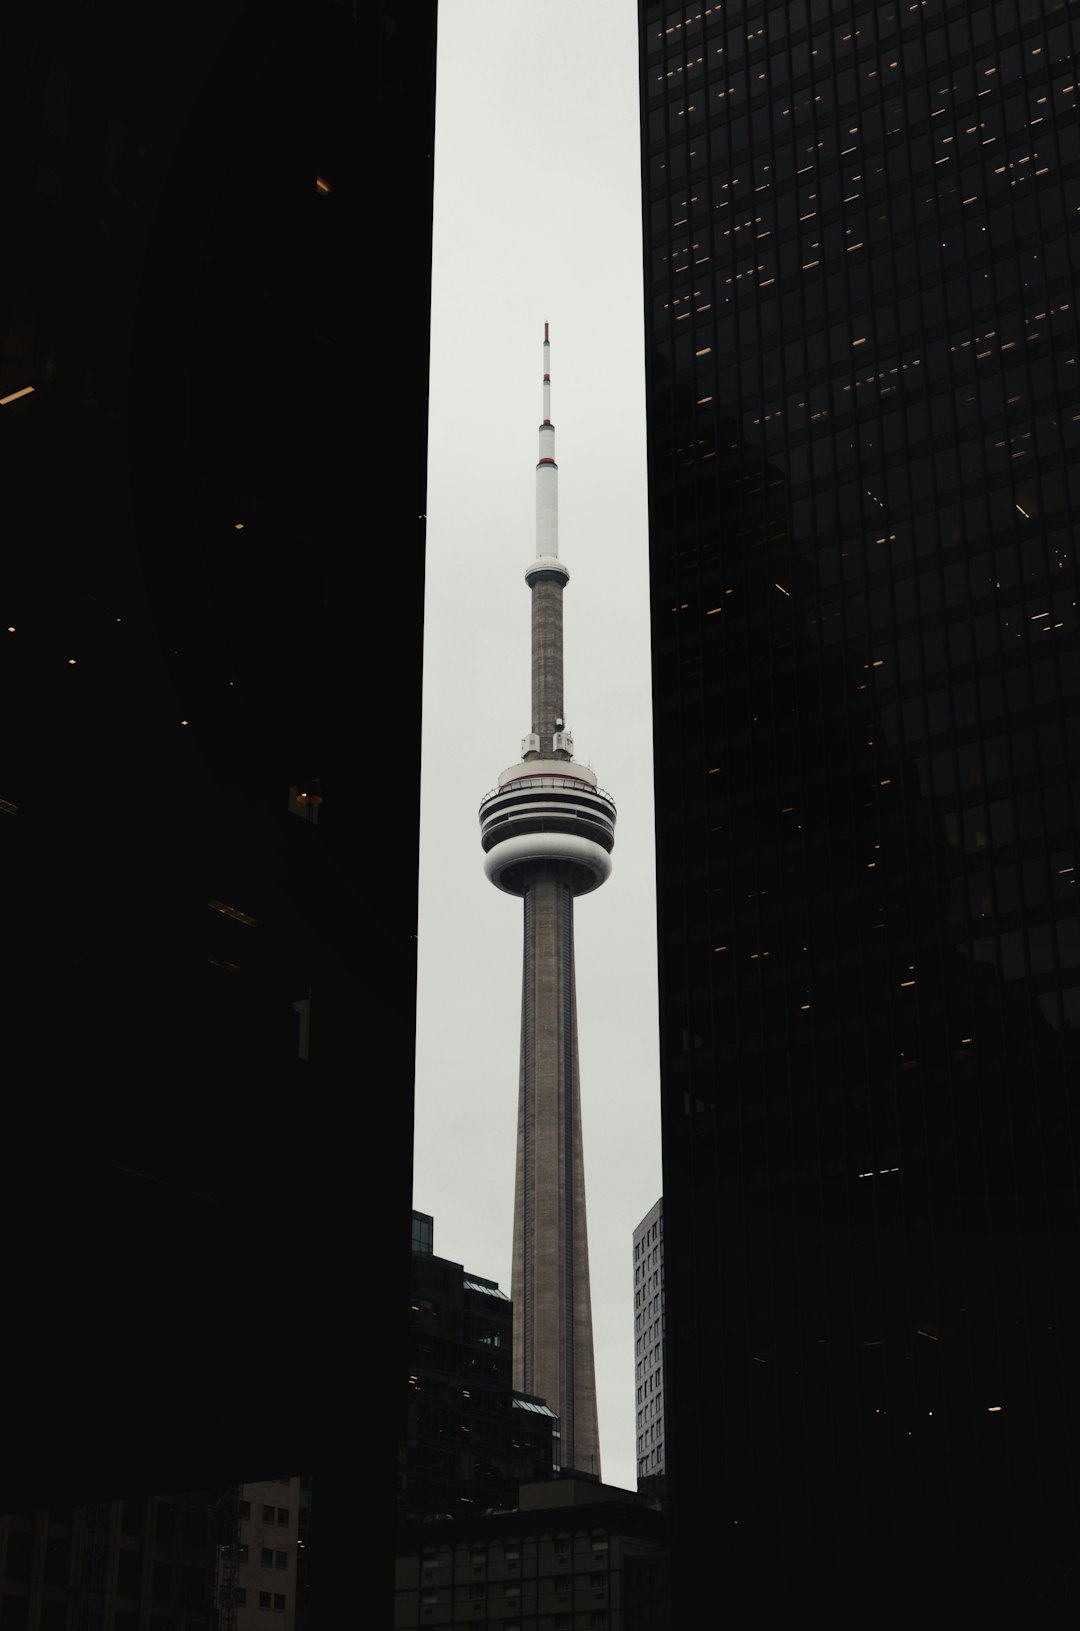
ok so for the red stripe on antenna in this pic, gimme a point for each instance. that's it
(545, 334)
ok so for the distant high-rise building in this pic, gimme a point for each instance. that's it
(862, 230)
(650, 1323)
(547, 832)
(470, 1439)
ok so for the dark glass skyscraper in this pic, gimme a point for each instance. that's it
(861, 245)
(198, 202)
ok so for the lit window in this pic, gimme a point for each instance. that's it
(241, 917)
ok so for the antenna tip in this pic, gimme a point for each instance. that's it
(545, 334)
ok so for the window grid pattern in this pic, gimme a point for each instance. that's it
(861, 248)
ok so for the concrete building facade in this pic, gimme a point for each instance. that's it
(547, 832)
(650, 1324)
(268, 1565)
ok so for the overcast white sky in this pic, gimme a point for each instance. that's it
(537, 218)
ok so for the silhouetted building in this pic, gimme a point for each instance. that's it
(650, 1324)
(140, 1564)
(199, 202)
(861, 236)
(470, 1439)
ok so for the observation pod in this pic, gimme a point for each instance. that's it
(551, 815)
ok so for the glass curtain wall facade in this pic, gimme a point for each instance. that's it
(862, 239)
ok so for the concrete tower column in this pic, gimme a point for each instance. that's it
(547, 663)
(547, 832)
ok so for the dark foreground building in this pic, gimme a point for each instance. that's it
(125, 1565)
(574, 1553)
(862, 237)
(205, 1558)
(205, 636)
(469, 1438)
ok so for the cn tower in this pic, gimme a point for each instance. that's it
(547, 832)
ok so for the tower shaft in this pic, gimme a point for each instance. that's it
(547, 662)
(553, 1339)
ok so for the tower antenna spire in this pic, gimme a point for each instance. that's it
(547, 472)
